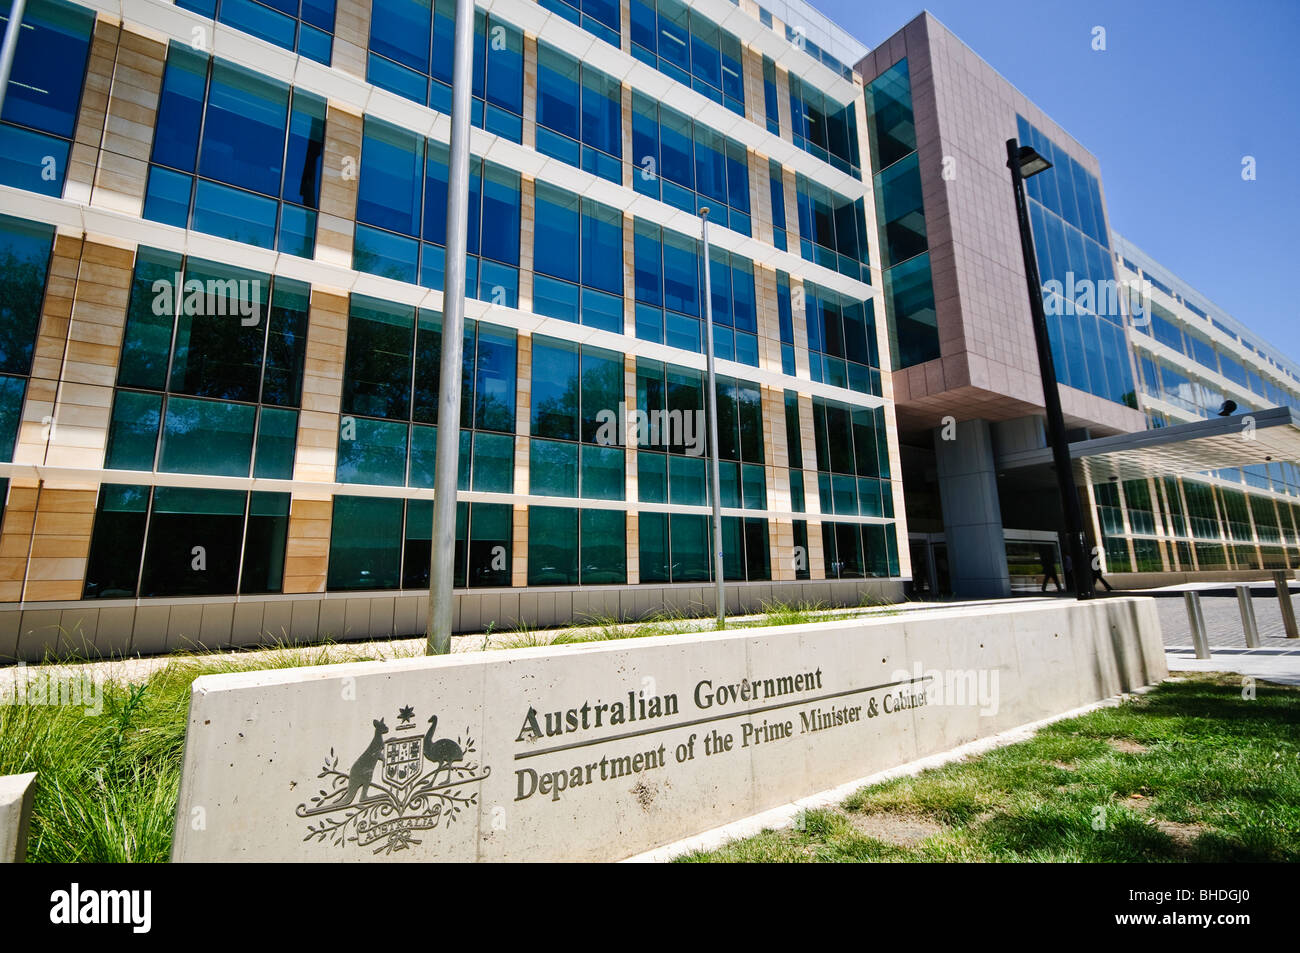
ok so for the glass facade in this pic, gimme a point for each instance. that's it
(682, 43)
(303, 26)
(1189, 360)
(598, 17)
(210, 376)
(401, 228)
(268, 417)
(1085, 321)
(832, 229)
(824, 128)
(900, 218)
(44, 94)
(411, 45)
(579, 114)
(577, 259)
(689, 166)
(236, 155)
(389, 428)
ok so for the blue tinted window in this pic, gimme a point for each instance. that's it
(284, 23)
(824, 127)
(684, 44)
(688, 165)
(44, 93)
(261, 142)
(403, 184)
(24, 263)
(180, 109)
(12, 390)
(832, 229)
(577, 258)
(49, 67)
(411, 49)
(557, 233)
(244, 129)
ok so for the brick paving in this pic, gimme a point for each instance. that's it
(1223, 618)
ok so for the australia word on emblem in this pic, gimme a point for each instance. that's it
(425, 783)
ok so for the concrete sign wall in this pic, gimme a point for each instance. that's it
(16, 794)
(600, 751)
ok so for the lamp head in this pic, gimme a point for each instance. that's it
(1030, 162)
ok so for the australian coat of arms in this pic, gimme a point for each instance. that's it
(424, 784)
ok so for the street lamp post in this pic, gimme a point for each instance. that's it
(1024, 161)
(10, 46)
(447, 460)
(713, 422)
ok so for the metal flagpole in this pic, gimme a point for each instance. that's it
(713, 423)
(447, 465)
(10, 47)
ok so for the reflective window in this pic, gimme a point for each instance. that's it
(24, 264)
(673, 442)
(579, 114)
(305, 26)
(578, 421)
(852, 459)
(570, 547)
(411, 53)
(854, 551)
(785, 322)
(1085, 320)
(689, 47)
(824, 128)
(669, 289)
(209, 353)
(677, 547)
(890, 121)
(391, 380)
(832, 229)
(402, 216)
(599, 17)
(776, 185)
(44, 93)
(689, 166)
(386, 544)
(842, 346)
(577, 259)
(900, 216)
(771, 107)
(180, 541)
(236, 155)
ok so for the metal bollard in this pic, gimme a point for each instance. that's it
(1248, 624)
(1197, 621)
(1280, 580)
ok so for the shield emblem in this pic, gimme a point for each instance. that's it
(402, 760)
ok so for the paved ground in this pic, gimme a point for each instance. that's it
(1276, 660)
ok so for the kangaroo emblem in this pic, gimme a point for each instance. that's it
(424, 784)
(363, 769)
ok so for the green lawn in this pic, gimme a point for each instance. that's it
(1190, 771)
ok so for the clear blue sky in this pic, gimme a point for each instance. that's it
(1184, 90)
